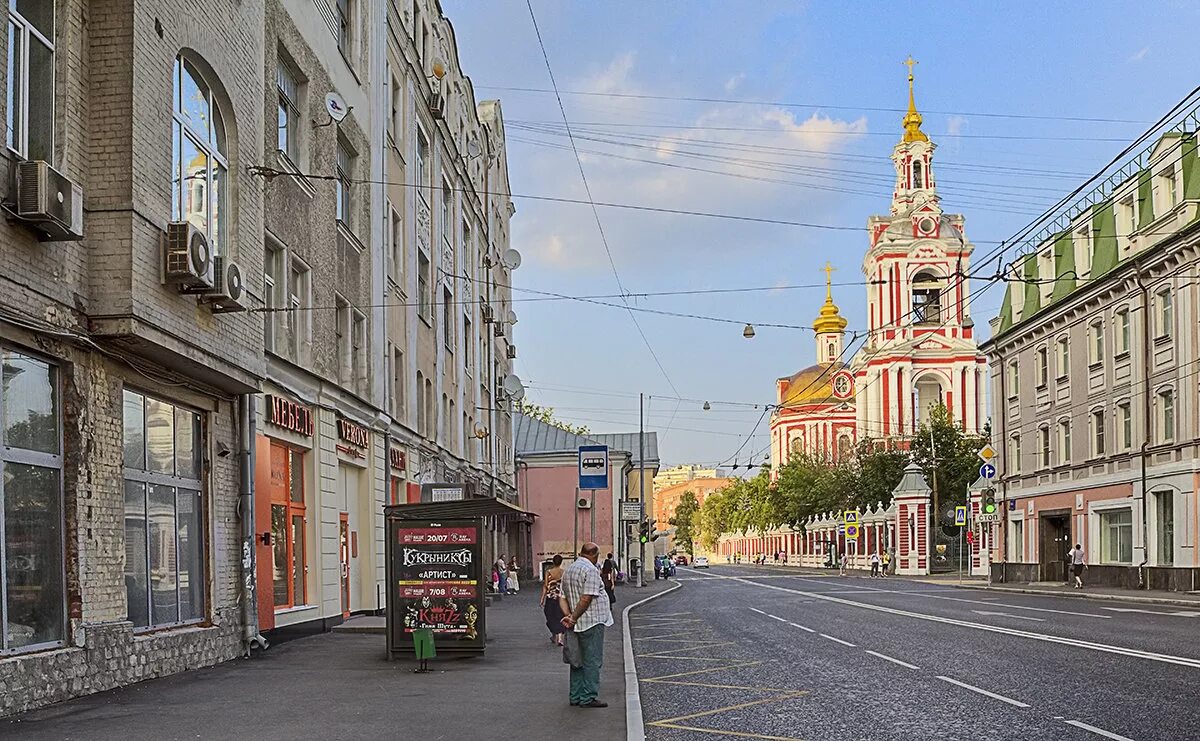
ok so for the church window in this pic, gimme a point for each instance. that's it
(918, 175)
(832, 352)
(926, 299)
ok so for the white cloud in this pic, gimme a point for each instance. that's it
(956, 125)
(614, 78)
(733, 83)
(1140, 54)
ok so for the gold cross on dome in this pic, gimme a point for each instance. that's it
(909, 63)
(829, 280)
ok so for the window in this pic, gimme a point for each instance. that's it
(1126, 220)
(468, 252)
(1014, 454)
(345, 25)
(165, 552)
(1125, 420)
(468, 339)
(31, 78)
(422, 164)
(1046, 274)
(341, 341)
(421, 419)
(1014, 378)
(1081, 241)
(200, 168)
(1016, 540)
(1121, 330)
(447, 213)
(430, 411)
(31, 467)
(1164, 515)
(1095, 343)
(1064, 441)
(1116, 536)
(1164, 314)
(424, 293)
(1165, 196)
(358, 350)
(288, 513)
(468, 430)
(448, 322)
(443, 430)
(289, 112)
(1097, 423)
(299, 310)
(918, 175)
(273, 287)
(396, 101)
(926, 299)
(396, 238)
(1043, 366)
(1044, 440)
(1166, 416)
(451, 432)
(398, 376)
(344, 188)
(1064, 356)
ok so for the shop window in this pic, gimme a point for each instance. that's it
(288, 519)
(199, 165)
(165, 551)
(1116, 536)
(31, 78)
(31, 498)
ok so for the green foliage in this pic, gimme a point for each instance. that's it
(684, 521)
(957, 464)
(546, 414)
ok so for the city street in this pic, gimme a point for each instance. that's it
(754, 652)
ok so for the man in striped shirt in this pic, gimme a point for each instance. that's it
(586, 607)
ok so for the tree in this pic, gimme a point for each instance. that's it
(546, 414)
(956, 465)
(684, 521)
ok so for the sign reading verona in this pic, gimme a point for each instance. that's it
(289, 415)
(355, 434)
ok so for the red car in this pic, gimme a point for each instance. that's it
(681, 560)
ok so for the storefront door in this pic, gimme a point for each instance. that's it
(344, 552)
(1055, 530)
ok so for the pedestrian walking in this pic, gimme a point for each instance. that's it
(502, 568)
(495, 579)
(841, 557)
(887, 562)
(514, 585)
(551, 604)
(608, 573)
(875, 561)
(587, 614)
(1078, 565)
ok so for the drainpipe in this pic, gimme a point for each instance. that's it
(250, 635)
(1142, 581)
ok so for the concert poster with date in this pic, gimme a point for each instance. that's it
(437, 583)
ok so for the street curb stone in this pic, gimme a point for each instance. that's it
(634, 727)
(1085, 595)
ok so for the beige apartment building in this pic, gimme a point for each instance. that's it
(1093, 365)
(225, 343)
(685, 472)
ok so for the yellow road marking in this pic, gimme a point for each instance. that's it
(683, 658)
(681, 649)
(660, 614)
(739, 706)
(703, 671)
(725, 686)
(737, 734)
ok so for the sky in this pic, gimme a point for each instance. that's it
(802, 107)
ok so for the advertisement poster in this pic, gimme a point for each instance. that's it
(437, 584)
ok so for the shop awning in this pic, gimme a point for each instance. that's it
(481, 507)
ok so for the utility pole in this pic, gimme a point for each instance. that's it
(937, 512)
(642, 482)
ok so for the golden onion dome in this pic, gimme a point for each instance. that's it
(812, 385)
(912, 119)
(829, 319)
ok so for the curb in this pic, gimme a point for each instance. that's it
(1087, 595)
(634, 726)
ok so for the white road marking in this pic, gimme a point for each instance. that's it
(1007, 615)
(984, 600)
(776, 617)
(992, 695)
(801, 627)
(1074, 642)
(885, 657)
(1181, 613)
(1097, 731)
(838, 640)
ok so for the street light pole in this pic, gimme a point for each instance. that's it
(642, 482)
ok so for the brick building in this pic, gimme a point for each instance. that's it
(207, 357)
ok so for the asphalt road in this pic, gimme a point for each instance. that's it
(762, 653)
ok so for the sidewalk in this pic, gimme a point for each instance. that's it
(340, 686)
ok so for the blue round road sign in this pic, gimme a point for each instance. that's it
(987, 471)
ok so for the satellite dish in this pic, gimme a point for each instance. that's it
(473, 149)
(511, 317)
(511, 259)
(336, 106)
(513, 387)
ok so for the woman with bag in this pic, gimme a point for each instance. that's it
(551, 608)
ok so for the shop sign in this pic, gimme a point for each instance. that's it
(354, 433)
(398, 459)
(289, 415)
(437, 569)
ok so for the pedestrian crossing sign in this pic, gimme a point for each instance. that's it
(850, 517)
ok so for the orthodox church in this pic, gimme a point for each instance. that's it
(919, 346)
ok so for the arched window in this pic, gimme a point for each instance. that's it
(926, 298)
(199, 162)
(843, 445)
(918, 174)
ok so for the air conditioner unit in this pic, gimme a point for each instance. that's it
(498, 330)
(188, 260)
(46, 198)
(228, 292)
(583, 503)
(437, 105)
(488, 314)
(512, 352)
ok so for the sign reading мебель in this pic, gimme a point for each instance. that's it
(436, 584)
(593, 467)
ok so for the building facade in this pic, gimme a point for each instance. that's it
(1092, 364)
(666, 501)
(685, 472)
(218, 372)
